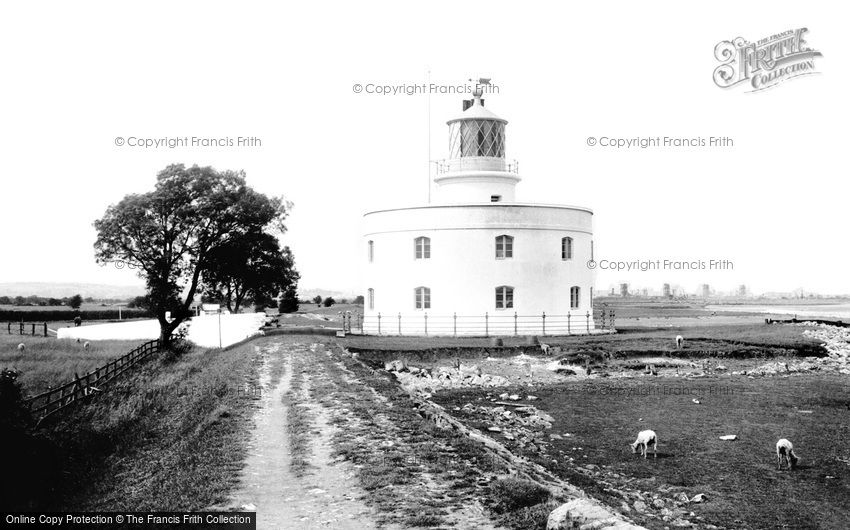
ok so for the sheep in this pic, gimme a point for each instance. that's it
(86, 345)
(785, 450)
(680, 342)
(22, 347)
(544, 348)
(644, 440)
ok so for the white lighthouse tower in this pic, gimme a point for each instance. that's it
(476, 261)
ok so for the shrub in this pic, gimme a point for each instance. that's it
(511, 494)
(329, 301)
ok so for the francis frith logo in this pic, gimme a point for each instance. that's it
(765, 63)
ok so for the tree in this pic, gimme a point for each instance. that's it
(252, 267)
(169, 234)
(329, 301)
(140, 302)
(289, 300)
(75, 301)
(317, 300)
(358, 300)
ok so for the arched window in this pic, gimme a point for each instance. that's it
(504, 247)
(504, 297)
(371, 251)
(575, 294)
(422, 297)
(371, 298)
(422, 248)
(566, 248)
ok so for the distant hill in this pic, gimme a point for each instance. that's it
(59, 290)
(309, 294)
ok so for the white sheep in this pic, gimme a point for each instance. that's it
(22, 347)
(644, 440)
(544, 348)
(785, 450)
(86, 345)
(680, 342)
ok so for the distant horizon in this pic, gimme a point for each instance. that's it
(635, 291)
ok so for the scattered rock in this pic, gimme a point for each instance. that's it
(728, 438)
(698, 498)
(583, 513)
(640, 506)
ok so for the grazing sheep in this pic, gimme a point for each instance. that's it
(544, 348)
(644, 440)
(86, 345)
(785, 450)
(680, 342)
(21, 347)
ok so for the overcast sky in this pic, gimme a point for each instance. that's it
(78, 75)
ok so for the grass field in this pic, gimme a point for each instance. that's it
(168, 435)
(739, 478)
(49, 362)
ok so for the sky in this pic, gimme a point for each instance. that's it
(77, 77)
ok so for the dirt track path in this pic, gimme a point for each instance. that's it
(327, 495)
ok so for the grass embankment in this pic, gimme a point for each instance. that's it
(170, 435)
(49, 361)
(729, 341)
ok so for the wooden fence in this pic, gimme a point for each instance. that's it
(56, 399)
(28, 328)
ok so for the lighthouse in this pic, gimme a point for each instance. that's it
(476, 261)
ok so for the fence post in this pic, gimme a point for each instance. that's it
(612, 319)
(569, 331)
(486, 324)
(9, 327)
(45, 329)
(399, 323)
(544, 323)
(454, 325)
(588, 321)
(22, 326)
(379, 322)
(426, 324)
(515, 328)
(603, 319)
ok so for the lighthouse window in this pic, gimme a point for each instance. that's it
(495, 198)
(371, 251)
(566, 248)
(371, 300)
(422, 296)
(504, 297)
(575, 292)
(504, 247)
(422, 248)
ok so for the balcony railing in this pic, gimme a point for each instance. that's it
(477, 163)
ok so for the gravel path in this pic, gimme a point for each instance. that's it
(326, 496)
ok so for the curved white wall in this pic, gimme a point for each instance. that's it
(463, 271)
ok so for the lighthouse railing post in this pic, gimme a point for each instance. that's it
(588, 321)
(379, 323)
(426, 324)
(486, 324)
(454, 324)
(544, 323)
(515, 324)
(399, 323)
(569, 331)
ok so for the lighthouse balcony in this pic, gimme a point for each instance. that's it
(477, 163)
